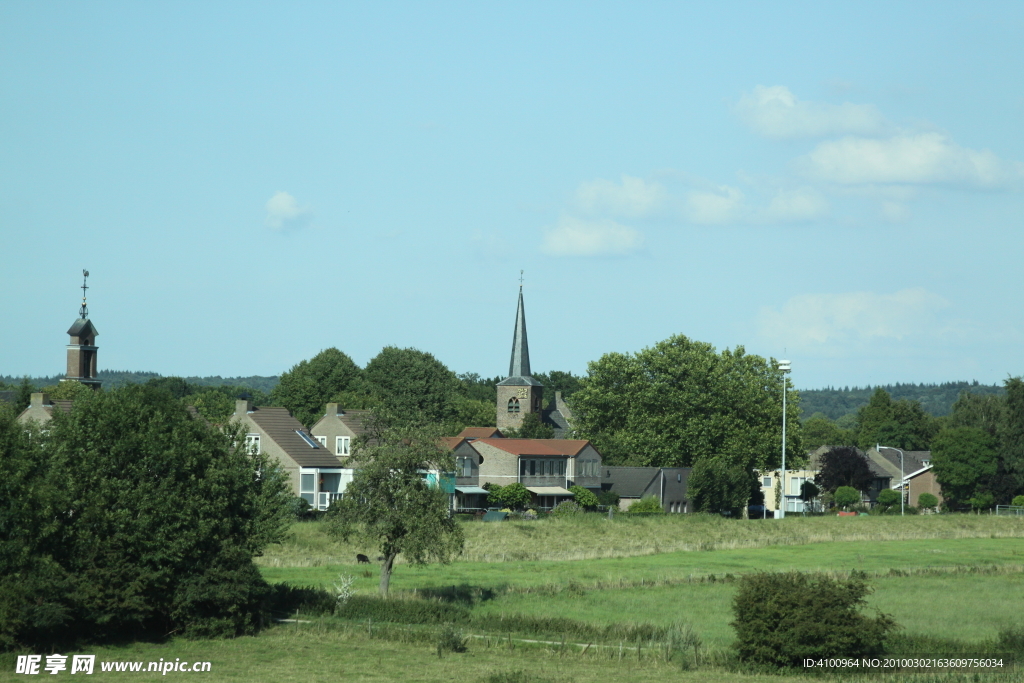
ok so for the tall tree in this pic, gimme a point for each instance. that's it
(311, 384)
(413, 387)
(844, 466)
(819, 430)
(392, 503)
(902, 424)
(1011, 448)
(966, 464)
(679, 401)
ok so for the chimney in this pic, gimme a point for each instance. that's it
(243, 406)
(39, 400)
(332, 410)
(561, 407)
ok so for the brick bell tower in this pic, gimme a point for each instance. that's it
(82, 347)
(519, 393)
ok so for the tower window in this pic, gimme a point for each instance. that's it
(513, 405)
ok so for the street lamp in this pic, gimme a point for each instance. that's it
(783, 366)
(903, 479)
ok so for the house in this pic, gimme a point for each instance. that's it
(40, 409)
(546, 467)
(338, 429)
(915, 472)
(667, 484)
(784, 491)
(314, 472)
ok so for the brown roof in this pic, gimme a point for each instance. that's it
(355, 420)
(524, 446)
(451, 442)
(481, 433)
(284, 429)
(567, 446)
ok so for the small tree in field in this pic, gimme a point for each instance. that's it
(927, 501)
(392, 504)
(845, 496)
(782, 619)
(888, 498)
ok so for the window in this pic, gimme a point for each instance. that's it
(252, 443)
(342, 445)
(307, 487)
(322, 440)
(794, 485)
(513, 405)
(465, 466)
(766, 482)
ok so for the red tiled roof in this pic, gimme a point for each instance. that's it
(480, 433)
(567, 446)
(452, 442)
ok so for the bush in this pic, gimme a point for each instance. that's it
(781, 619)
(929, 501)
(514, 496)
(584, 497)
(1018, 501)
(609, 498)
(648, 505)
(567, 508)
(451, 640)
(845, 496)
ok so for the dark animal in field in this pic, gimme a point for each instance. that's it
(362, 559)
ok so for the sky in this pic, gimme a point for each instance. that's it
(838, 184)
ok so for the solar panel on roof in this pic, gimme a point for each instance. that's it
(305, 437)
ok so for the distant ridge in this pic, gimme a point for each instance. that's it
(935, 399)
(116, 378)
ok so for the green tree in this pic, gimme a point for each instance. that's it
(965, 461)
(413, 387)
(585, 497)
(902, 424)
(679, 403)
(515, 496)
(68, 391)
(154, 519)
(845, 496)
(472, 413)
(392, 503)
(1011, 446)
(887, 499)
(648, 505)
(532, 427)
(818, 430)
(981, 411)
(24, 398)
(927, 501)
(216, 406)
(556, 380)
(844, 466)
(307, 388)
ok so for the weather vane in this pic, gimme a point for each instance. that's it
(84, 311)
(520, 279)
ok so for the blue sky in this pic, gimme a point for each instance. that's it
(249, 183)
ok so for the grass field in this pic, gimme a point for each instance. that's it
(945, 577)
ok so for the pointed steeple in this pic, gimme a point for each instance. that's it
(519, 366)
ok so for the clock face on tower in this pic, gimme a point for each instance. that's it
(522, 392)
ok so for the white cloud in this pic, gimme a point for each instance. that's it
(800, 204)
(839, 320)
(283, 212)
(575, 237)
(910, 158)
(775, 112)
(715, 207)
(633, 198)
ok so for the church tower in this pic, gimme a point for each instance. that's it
(519, 393)
(82, 347)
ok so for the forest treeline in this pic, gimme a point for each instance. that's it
(935, 399)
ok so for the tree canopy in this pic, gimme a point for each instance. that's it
(130, 516)
(393, 504)
(844, 466)
(413, 387)
(966, 463)
(307, 388)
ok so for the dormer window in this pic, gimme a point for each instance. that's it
(513, 405)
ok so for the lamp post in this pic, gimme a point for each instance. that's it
(783, 366)
(903, 478)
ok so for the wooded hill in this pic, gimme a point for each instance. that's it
(116, 378)
(935, 399)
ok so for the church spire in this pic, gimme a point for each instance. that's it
(519, 366)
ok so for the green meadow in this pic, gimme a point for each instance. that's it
(548, 601)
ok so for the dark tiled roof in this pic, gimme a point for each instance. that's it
(557, 421)
(355, 420)
(283, 429)
(481, 433)
(912, 460)
(629, 482)
(80, 326)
